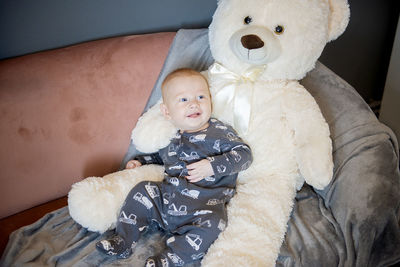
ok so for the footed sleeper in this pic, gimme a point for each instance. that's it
(193, 214)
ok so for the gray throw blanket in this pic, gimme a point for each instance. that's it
(353, 222)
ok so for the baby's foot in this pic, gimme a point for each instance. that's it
(114, 246)
(157, 261)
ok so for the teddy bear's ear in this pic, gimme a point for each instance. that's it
(338, 18)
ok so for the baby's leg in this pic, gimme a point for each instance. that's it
(190, 242)
(141, 207)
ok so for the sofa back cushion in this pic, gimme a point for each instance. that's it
(67, 114)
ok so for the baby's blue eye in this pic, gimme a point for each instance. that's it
(201, 97)
(183, 99)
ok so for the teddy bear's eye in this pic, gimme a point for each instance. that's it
(279, 29)
(247, 20)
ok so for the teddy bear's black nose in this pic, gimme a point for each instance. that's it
(251, 41)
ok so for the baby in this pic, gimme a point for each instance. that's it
(201, 165)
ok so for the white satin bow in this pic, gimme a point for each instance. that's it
(233, 92)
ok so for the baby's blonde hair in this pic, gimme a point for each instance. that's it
(183, 72)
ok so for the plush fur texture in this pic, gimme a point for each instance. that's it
(95, 202)
(287, 132)
(159, 125)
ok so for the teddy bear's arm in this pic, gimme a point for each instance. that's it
(313, 146)
(152, 131)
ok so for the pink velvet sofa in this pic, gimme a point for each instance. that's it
(67, 114)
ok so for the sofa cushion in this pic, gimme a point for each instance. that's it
(67, 114)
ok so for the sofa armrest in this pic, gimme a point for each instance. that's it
(365, 201)
(359, 211)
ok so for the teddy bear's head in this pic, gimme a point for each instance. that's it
(286, 36)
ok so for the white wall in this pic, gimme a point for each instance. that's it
(390, 109)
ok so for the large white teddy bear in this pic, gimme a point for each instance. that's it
(261, 49)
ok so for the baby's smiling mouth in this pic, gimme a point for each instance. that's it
(194, 115)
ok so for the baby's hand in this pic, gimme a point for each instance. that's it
(199, 170)
(133, 164)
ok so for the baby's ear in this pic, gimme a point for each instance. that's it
(164, 111)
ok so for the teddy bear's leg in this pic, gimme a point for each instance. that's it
(257, 221)
(95, 202)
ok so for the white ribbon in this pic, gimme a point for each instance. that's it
(233, 93)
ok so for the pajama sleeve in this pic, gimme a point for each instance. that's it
(149, 159)
(236, 156)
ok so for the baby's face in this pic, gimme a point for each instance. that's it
(187, 102)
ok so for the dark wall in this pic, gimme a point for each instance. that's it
(360, 56)
(28, 26)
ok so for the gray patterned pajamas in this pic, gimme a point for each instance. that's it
(193, 213)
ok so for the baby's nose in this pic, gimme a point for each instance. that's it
(194, 103)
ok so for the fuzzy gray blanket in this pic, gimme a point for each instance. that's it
(353, 222)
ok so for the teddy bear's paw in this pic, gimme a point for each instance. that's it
(92, 203)
(153, 131)
(316, 168)
(321, 182)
